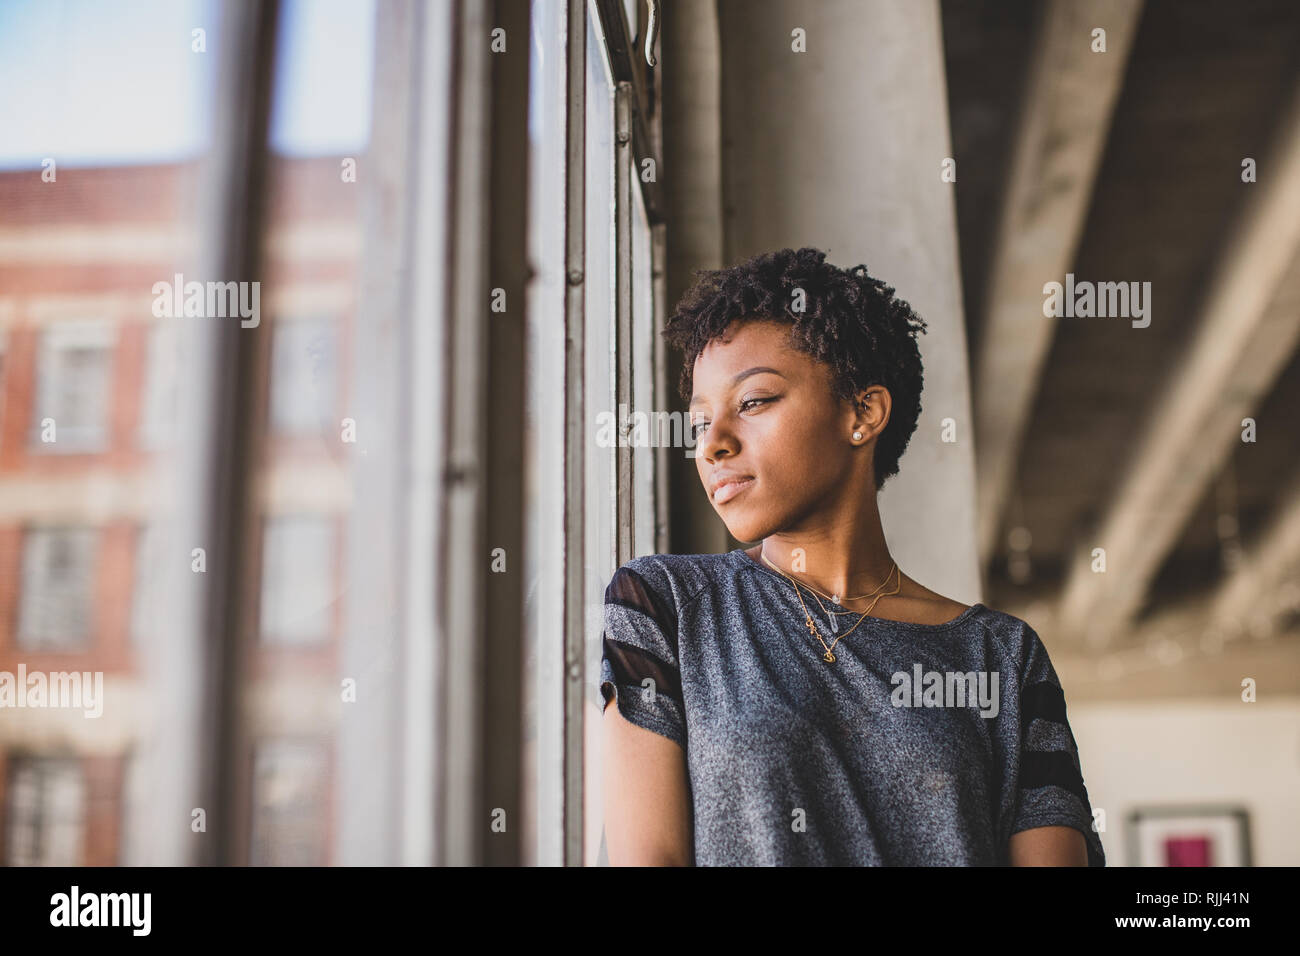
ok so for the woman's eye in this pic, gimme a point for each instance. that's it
(697, 428)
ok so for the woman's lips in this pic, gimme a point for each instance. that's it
(732, 488)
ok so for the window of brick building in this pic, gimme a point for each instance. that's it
(57, 588)
(45, 816)
(298, 587)
(290, 790)
(73, 372)
(303, 379)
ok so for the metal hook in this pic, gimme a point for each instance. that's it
(652, 29)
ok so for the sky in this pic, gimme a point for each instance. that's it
(112, 82)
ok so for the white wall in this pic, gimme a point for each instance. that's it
(1195, 752)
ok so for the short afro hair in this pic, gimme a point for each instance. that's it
(850, 322)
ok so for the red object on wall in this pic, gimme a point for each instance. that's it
(1187, 851)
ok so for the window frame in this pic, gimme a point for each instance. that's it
(637, 136)
(52, 378)
(45, 768)
(291, 416)
(562, 620)
(37, 539)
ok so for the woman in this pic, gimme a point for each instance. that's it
(803, 701)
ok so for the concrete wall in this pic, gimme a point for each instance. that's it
(841, 147)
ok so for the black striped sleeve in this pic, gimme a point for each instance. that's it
(1049, 786)
(639, 666)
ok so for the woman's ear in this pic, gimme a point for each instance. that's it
(872, 411)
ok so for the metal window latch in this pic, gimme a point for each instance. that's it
(651, 31)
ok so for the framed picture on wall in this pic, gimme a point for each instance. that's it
(1191, 835)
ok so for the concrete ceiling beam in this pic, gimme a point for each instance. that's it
(1070, 97)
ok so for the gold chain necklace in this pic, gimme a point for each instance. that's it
(836, 598)
(829, 656)
(835, 625)
(833, 597)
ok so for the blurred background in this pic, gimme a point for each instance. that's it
(340, 565)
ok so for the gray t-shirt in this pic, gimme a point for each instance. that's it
(919, 745)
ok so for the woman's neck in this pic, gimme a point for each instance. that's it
(842, 560)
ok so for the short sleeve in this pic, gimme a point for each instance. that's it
(1049, 789)
(639, 665)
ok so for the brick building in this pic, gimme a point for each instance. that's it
(87, 401)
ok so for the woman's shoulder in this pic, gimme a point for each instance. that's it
(1014, 637)
(679, 578)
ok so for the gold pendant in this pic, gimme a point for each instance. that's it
(828, 657)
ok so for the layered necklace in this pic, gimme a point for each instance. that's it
(829, 656)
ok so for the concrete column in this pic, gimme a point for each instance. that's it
(693, 190)
(840, 147)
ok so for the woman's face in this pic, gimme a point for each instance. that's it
(764, 413)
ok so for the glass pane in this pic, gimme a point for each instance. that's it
(45, 813)
(545, 444)
(72, 405)
(298, 583)
(101, 248)
(57, 588)
(304, 389)
(602, 499)
(323, 178)
(106, 120)
(290, 786)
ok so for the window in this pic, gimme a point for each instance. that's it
(325, 165)
(46, 816)
(379, 210)
(101, 202)
(601, 291)
(290, 785)
(303, 377)
(73, 392)
(615, 316)
(551, 456)
(57, 588)
(297, 579)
